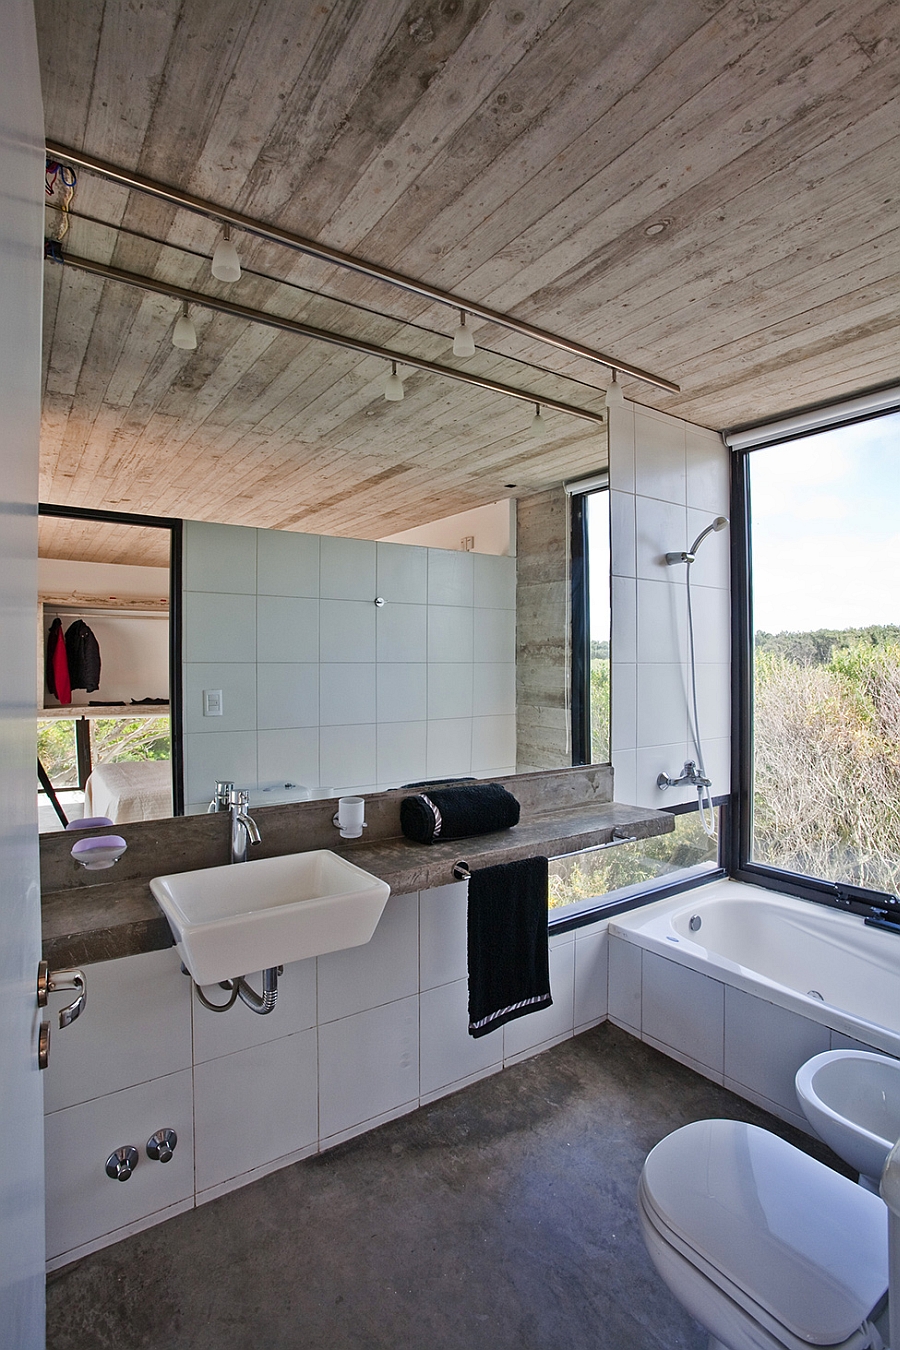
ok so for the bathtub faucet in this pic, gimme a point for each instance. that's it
(690, 776)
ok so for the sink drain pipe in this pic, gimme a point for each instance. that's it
(259, 1003)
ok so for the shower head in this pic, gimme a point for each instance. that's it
(688, 555)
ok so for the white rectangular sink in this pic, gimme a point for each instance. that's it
(235, 920)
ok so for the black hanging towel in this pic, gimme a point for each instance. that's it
(83, 651)
(509, 968)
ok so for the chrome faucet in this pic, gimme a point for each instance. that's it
(690, 775)
(243, 827)
(222, 799)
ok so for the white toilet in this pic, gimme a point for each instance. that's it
(767, 1248)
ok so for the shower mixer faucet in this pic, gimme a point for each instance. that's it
(690, 776)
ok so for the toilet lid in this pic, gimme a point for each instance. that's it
(807, 1245)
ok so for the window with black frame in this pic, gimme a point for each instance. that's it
(590, 571)
(821, 665)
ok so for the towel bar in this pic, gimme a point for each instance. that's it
(462, 871)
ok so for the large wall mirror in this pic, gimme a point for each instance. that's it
(300, 665)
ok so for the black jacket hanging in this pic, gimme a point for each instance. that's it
(83, 651)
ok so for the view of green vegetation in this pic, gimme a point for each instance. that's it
(599, 702)
(827, 754)
(593, 874)
(113, 740)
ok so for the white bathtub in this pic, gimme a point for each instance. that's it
(818, 962)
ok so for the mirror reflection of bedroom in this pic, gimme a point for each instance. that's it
(104, 727)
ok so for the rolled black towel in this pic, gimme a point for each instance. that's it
(457, 812)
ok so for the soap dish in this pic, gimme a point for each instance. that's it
(99, 852)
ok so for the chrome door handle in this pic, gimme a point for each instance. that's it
(53, 981)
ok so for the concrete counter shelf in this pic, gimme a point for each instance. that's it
(85, 922)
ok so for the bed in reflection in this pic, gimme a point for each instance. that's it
(129, 791)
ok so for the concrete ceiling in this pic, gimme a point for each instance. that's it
(704, 189)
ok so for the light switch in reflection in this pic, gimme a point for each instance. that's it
(212, 702)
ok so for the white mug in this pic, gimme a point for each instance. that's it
(350, 817)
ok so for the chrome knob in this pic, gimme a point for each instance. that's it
(161, 1146)
(121, 1164)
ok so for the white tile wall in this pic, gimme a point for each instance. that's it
(493, 743)
(450, 633)
(219, 558)
(253, 1106)
(219, 627)
(346, 630)
(449, 1055)
(450, 690)
(287, 694)
(302, 655)
(401, 573)
(289, 755)
(401, 632)
(287, 629)
(347, 569)
(449, 746)
(659, 455)
(494, 581)
(668, 481)
(213, 755)
(382, 971)
(451, 578)
(346, 693)
(494, 634)
(493, 688)
(368, 1066)
(401, 752)
(591, 975)
(402, 690)
(288, 563)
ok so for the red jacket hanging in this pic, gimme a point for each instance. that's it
(58, 664)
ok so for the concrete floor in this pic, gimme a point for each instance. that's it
(501, 1218)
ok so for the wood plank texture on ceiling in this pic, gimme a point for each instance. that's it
(706, 189)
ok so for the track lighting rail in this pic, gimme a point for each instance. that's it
(348, 261)
(317, 334)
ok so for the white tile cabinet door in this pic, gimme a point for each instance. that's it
(625, 984)
(254, 1107)
(683, 1010)
(136, 1027)
(765, 1046)
(85, 1207)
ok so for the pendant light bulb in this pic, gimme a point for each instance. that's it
(463, 341)
(226, 265)
(393, 385)
(539, 429)
(614, 396)
(185, 334)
